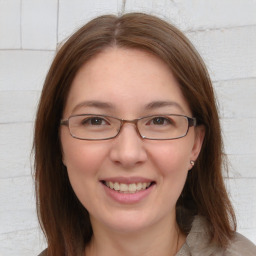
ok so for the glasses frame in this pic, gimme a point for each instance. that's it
(191, 122)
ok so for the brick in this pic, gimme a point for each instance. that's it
(228, 53)
(236, 98)
(18, 106)
(243, 193)
(242, 166)
(74, 14)
(164, 9)
(239, 136)
(39, 24)
(15, 148)
(12, 221)
(10, 24)
(200, 14)
(17, 202)
(24, 70)
(27, 242)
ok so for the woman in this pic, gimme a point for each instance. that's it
(128, 148)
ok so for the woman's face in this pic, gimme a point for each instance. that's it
(128, 84)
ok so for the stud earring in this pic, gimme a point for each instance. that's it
(192, 162)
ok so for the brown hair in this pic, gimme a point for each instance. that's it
(63, 219)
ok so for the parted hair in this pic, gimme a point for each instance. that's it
(63, 219)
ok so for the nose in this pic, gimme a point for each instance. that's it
(128, 149)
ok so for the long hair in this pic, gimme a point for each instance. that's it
(62, 217)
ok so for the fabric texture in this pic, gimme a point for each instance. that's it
(198, 243)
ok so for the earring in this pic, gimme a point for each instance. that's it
(192, 162)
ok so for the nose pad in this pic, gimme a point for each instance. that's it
(128, 149)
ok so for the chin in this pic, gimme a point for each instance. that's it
(129, 221)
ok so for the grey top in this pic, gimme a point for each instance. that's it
(198, 243)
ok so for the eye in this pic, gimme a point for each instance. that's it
(159, 120)
(96, 120)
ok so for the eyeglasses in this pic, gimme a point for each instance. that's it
(104, 127)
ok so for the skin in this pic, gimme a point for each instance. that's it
(129, 79)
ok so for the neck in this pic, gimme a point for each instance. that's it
(161, 239)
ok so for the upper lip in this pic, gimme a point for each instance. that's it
(128, 180)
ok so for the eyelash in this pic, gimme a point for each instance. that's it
(163, 119)
(95, 118)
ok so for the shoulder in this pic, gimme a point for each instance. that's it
(43, 253)
(240, 246)
(199, 242)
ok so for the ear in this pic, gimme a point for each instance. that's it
(198, 142)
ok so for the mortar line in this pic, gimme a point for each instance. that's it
(217, 29)
(28, 49)
(21, 230)
(123, 7)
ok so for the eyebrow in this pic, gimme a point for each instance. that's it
(107, 105)
(160, 104)
(94, 103)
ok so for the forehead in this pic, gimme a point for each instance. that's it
(126, 79)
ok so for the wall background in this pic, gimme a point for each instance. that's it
(224, 32)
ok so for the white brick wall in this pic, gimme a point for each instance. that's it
(39, 21)
(223, 31)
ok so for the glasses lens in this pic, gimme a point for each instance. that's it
(93, 127)
(163, 127)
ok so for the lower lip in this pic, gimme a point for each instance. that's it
(128, 198)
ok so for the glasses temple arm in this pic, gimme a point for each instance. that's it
(64, 122)
(192, 121)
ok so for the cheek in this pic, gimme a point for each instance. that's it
(83, 160)
(80, 155)
(171, 162)
(171, 158)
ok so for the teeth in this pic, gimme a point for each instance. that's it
(123, 187)
(139, 186)
(127, 188)
(144, 185)
(111, 185)
(132, 188)
(116, 186)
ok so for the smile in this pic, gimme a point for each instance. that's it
(127, 188)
